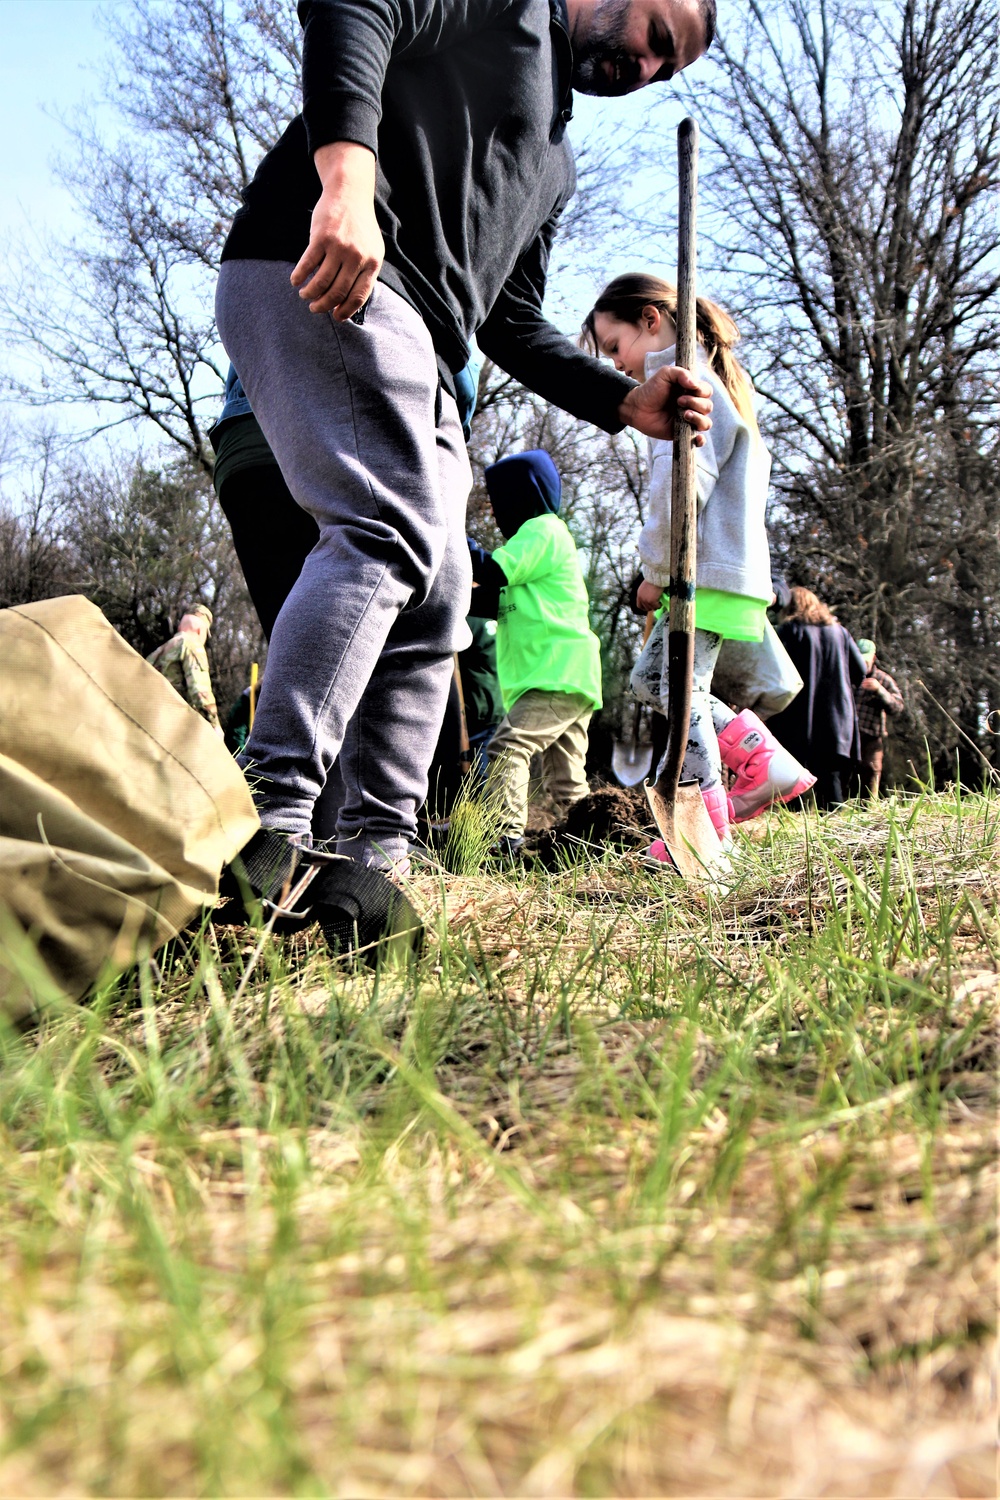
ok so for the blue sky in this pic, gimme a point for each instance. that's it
(50, 54)
(47, 48)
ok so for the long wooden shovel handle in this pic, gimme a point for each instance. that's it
(464, 748)
(683, 495)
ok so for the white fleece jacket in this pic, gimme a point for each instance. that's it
(733, 469)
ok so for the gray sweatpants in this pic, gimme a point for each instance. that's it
(360, 658)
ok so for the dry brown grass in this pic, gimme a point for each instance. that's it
(607, 1199)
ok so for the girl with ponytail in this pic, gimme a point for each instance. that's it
(632, 323)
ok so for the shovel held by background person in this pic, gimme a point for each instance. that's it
(631, 759)
(464, 748)
(678, 806)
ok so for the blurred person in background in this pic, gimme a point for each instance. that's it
(820, 725)
(183, 661)
(875, 696)
(548, 658)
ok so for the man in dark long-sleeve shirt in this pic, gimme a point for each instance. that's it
(411, 206)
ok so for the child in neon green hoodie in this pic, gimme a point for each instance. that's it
(548, 658)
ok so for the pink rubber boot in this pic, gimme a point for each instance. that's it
(720, 812)
(717, 805)
(657, 854)
(765, 771)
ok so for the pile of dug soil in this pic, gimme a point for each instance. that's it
(610, 815)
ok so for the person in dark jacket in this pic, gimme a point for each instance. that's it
(410, 206)
(820, 725)
(478, 710)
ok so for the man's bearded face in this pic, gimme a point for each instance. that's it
(601, 64)
(621, 45)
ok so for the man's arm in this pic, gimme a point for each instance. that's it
(337, 270)
(345, 53)
(199, 687)
(346, 48)
(521, 341)
(488, 579)
(518, 338)
(892, 698)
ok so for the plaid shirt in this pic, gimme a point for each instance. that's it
(874, 705)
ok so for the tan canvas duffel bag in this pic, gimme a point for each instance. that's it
(119, 806)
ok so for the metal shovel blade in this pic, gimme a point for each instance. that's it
(631, 761)
(687, 831)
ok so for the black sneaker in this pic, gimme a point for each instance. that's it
(365, 914)
(261, 881)
(278, 880)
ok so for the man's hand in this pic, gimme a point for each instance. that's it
(338, 270)
(669, 393)
(871, 685)
(649, 595)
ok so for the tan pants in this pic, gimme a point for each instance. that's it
(872, 753)
(554, 725)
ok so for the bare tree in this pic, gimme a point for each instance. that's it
(148, 543)
(850, 183)
(120, 320)
(37, 558)
(141, 542)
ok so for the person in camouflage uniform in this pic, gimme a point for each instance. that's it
(183, 661)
